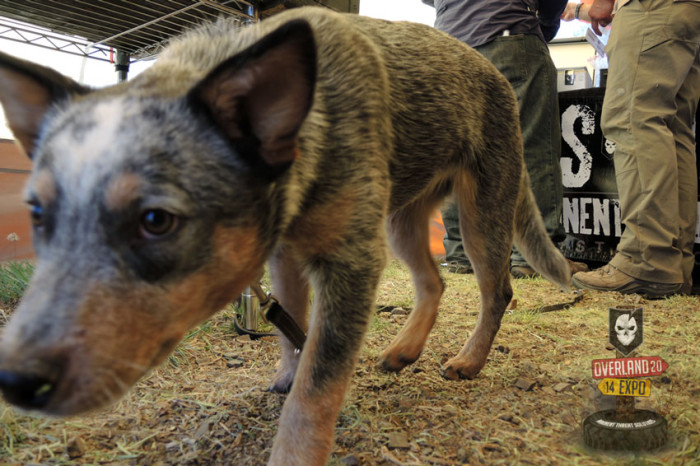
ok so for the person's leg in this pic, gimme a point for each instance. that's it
(682, 127)
(647, 73)
(455, 258)
(639, 108)
(525, 61)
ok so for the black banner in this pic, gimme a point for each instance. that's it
(591, 211)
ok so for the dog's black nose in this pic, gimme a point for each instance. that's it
(26, 390)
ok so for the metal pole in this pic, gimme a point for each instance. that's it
(624, 405)
(122, 65)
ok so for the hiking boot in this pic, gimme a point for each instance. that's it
(609, 278)
(576, 267)
(525, 271)
(457, 267)
(687, 288)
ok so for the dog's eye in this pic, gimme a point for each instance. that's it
(157, 222)
(36, 212)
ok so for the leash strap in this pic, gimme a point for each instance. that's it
(278, 316)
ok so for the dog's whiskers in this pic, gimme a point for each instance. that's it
(142, 368)
(110, 384)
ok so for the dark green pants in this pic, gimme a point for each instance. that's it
(525, 61)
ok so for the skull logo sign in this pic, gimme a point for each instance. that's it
(609, 147)
(626, 328)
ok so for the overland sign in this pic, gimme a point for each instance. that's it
(625, 427)
(625, 387)
(646, 366)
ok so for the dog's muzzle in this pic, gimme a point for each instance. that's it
(31, 383)
(27, 391)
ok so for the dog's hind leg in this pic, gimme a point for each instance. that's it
(409, 237)
(291, 286)
(486, 209)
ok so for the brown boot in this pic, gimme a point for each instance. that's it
(458, 267)
(576, 267)
(525, 271)
(609, 278)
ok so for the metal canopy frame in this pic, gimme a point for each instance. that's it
(90, 28)
(28, 34)
(122, 31)
(137, 29)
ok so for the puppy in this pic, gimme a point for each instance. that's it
(307, 141)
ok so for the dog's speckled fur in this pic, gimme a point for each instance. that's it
(300, 141)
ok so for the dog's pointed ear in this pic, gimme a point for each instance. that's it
(27, 91)
(260, 97)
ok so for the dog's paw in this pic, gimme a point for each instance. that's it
(282, 388)
(282, 380)
(394, 363)
(460, 368)
(406, 347)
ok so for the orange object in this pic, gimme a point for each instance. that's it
(437, 233)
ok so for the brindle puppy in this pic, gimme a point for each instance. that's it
(300, 141)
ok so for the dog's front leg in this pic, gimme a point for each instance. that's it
(343, 300)
(291, 286)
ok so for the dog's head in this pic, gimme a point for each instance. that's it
(150, 212)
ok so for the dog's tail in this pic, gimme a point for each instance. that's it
(533, 242)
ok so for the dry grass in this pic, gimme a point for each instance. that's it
(209, 404)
